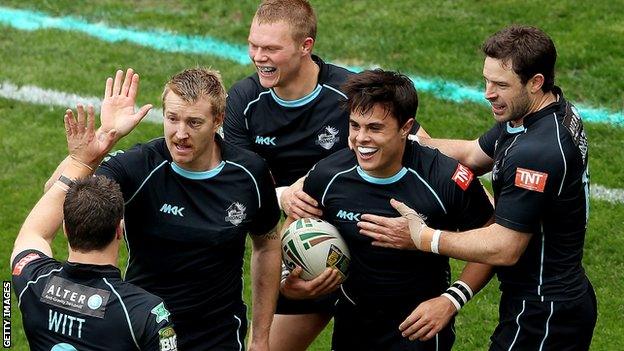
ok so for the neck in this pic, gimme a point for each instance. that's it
(107, 256)
(539, 103)
(302, 84)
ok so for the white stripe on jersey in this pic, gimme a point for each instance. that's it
(123, 306)
(19, 299)
(430, 189)
(145, 181)
(252, 178)
(335, 90)
(565, 164)
(332, 180)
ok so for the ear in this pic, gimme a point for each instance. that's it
(307, 46)
(407, 128)
(120, 230)
(64, 229)
(536, 83)
(218, 121)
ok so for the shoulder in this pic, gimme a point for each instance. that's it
(154, 151)
(437, 169)
(243, 158)
(31, 264)
(246, 90)
(337, 163)
(332, 76)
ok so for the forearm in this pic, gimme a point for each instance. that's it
(494, 245)
(44, 219)
(476, 275)
(265, 274)
(467, 152)
(57, 172)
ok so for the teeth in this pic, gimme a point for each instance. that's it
(366, 150)
(266, 69)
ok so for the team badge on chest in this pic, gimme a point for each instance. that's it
(236, 213)
(328, 137)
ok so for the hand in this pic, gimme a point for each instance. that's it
(296, 288)
(82, 142)
(415, 222)
(428, 319)
(297, 204)
(387, 232)
(118, 104)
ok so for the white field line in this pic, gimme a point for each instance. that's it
(40, 96)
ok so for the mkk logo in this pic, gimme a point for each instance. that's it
(351, 216)
(174, 210)
(260, 140)
(531, 180)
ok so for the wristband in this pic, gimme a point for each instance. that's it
(459, 293)
(278, 193)
(435, 241)
(67, 181)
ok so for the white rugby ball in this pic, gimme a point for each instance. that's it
(314, 245)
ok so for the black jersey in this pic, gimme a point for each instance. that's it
(541, 186)
(186, 230)
(72, 306)
(291, 135)
(436, 186)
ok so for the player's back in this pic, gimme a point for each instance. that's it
(71, 306)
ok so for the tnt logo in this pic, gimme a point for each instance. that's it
(463, 176)
(531, 180)
(342, 214)
(260, 140)
(174, 210)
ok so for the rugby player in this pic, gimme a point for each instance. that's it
(190, 200)
(385, 284)
(537, 152)
(289, 113)
(83, 304)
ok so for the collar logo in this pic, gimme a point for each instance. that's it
(236, 213)
(328, 137)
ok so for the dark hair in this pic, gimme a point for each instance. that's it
(392, 90)
(92, 210)
(298, 14)
(530, 50)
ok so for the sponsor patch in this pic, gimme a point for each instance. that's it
(75, 297)
(168, 339)
(531, 180)
(161, 313)
(463, 176)
(17, 270)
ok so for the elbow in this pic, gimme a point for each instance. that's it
(505, 257)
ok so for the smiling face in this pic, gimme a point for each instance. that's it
(509, 98)
(378, 141)
(274, 52)
(189, 132)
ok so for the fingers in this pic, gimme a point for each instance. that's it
(134, 86)
(108, 90)
(109, 140)
(128, 80)
(304, 206)
(91, 119)
(142, 112)
(402, 208)
(118, 82)
(81, 120)
(70, 125)
(329, 283)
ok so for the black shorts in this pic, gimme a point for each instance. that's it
(548, 325)
(376, 327)
(222, 331)
(325, 304)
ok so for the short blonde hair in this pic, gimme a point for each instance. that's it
(194, 83)
(298, 14)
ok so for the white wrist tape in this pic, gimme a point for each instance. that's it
(435, 241)
(278, 193)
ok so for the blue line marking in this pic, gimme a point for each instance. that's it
(171, 42)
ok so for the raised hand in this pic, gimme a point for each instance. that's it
(118, 104)
(83, 143)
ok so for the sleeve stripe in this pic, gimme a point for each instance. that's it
(145, 181)
(430, 189)
(565, 165)
(252, 178)
(253, 102)
(331, 181)
(19, 299)
(123, 306)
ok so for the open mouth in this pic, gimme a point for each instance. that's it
(182, 148)
(266, 70)
(366, 152)
(498, 109)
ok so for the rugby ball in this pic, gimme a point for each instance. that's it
(314, 245)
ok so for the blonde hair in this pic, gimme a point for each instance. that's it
(194, 83)
(298, 14)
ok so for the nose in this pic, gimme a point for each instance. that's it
(181, 131)
(361, 136)
(490, 91)
(257, 54)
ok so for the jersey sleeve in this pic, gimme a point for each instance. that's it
(125, 168)
(528, 183)
(269, 213)
(28, 265)
(158, 332)
(487, 141)
(313, 184)
(234, 127)
(468, 204)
